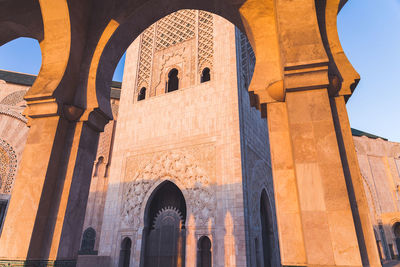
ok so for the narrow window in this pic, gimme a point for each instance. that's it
(125, 253)
(98, 164)
(204, 252)
(142, 94)
(396, 230)
(205, 75)
(173, 81)
(3, 207)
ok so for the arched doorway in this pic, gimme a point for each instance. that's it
(125, 252)
(396, 231)
(204, 256)
(164, 233)
(266, 229)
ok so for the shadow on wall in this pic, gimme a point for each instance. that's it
(166, 223)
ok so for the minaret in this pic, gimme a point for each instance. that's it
(190, 183)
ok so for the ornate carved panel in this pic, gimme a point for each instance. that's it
(185, 167)
(146, 56)
(8, 167)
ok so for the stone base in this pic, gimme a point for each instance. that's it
(37, 263)
(92, 261)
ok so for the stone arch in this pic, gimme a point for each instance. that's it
(267, 229)
(164, 232)
(261, 187)
(131, 22)
(8, 166)
(125, 252)
(204, 252)
(191, 178)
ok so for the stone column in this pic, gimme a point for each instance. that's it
(45, 217)
(285, 187)
(355, 187)
(315, 219)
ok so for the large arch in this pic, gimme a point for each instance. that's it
(163, 239)
(82, 42)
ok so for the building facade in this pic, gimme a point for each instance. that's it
(183, 177)
(379, 161)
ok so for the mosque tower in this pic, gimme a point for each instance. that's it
(190, 182)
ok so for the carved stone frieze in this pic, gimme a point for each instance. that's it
(205, 42)
(8, 166)
(180, 167)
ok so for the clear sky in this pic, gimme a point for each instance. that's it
(369, 31)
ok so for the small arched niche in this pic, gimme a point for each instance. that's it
(125, 252)
(164, 232)
(88, 242)
(173, 80)
(142, 94)
(266, 229)
(205, 75)
(204, 255)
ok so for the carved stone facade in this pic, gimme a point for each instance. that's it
(13, 134)
(379, 161)
(190, 34)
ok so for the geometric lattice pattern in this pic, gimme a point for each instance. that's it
(146, 56)
(171, 30)
(14, 98)
(175, 28)
(206, 43)
(8, 166)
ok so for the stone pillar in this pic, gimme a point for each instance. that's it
(308, 173)
(45, 216)
(355, 187)
(285, 187)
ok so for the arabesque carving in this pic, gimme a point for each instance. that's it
(178, 167)
(8, 166)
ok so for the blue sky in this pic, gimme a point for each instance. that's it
(369, 31)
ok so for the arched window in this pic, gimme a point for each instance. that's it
(142, 94)
(88, 241)
(266, 225)
(205, 75)
(125, 253)
(204, 252)
(396, 231)
(164, 232)
(98, 164)
(173, 81)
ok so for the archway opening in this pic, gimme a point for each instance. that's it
(164, 233)
(173, 80)
(266, 229)
(396, 231)
(125, 252)
(205, 75)
(204, 256)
